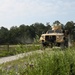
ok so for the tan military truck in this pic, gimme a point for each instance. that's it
(54, 37)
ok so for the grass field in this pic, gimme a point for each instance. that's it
(50, 62)
(6, 50)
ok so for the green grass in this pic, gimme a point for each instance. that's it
(13, 50)
(50, 62)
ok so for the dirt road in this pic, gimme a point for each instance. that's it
(11, 58)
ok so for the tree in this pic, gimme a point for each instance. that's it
(4, 34)
(38, 28)
(14, 35)
(70, 28)
(56, 22)
(48, 27)
(27, 33)
(32, 31)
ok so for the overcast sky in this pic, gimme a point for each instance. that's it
(17, 12)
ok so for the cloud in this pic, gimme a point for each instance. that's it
(15, 10)
(17, 7)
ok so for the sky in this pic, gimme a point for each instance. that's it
(17, 12)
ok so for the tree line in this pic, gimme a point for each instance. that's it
(27, 33)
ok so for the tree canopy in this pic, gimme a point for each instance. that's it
(26, 33)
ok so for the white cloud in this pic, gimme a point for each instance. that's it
(17, 8)
(12, 10)
(14, 7)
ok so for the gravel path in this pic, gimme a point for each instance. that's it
(11, 58)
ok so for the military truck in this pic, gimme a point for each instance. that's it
(54, 37)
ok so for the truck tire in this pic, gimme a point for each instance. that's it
(62, 46)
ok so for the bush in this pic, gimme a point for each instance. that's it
(48, 63)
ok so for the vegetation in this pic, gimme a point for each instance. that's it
(22, 34)
(27, 33)
(17, 49)
(49, 62)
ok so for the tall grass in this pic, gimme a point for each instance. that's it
(56, 62)
(18, 49)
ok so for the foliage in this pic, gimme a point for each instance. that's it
(17, 49)
(70, 27)
(48, 62)
(36, 39)
(26, 33)
(4, 34)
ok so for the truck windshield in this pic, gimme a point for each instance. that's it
(50, 31)
(56, 31)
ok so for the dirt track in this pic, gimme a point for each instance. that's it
(11, 58)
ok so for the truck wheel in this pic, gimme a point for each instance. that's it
(43, 46)
(51, 45)
(66, 44)
(62, 46)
